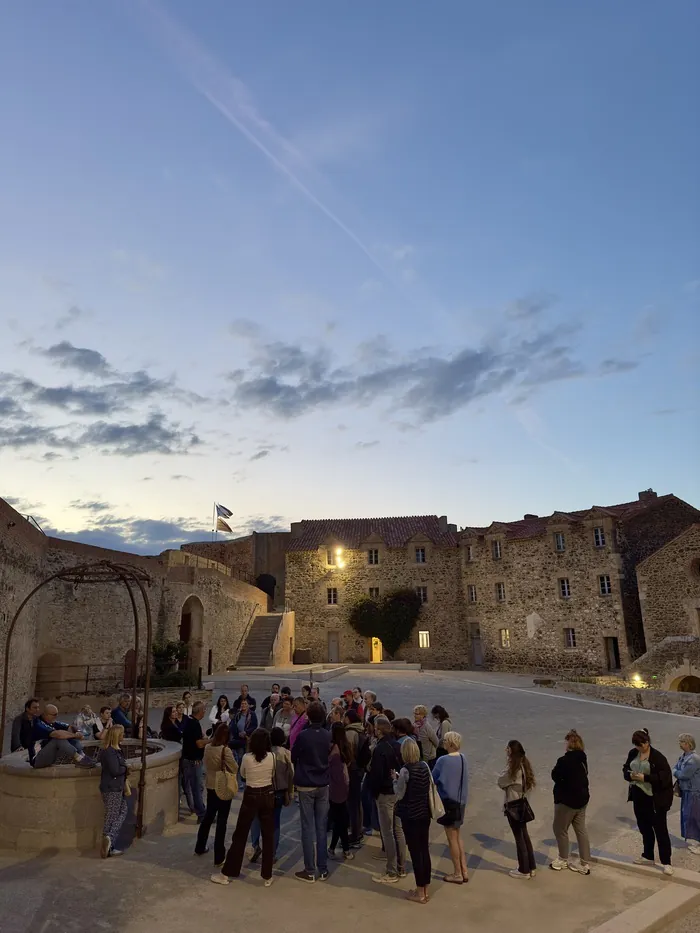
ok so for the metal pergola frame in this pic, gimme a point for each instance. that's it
(103, 571)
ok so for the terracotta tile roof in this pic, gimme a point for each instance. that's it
(532, 526)
(394, 532)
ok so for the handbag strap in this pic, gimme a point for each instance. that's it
(223, 758)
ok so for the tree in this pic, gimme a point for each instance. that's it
(391, 620)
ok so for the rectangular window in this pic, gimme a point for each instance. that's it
(373, 556)
(505, 638)
(559, 542)
(501, 592)
(564, 588)
(599, 537)
(332, 594)
(605, 585)
(420, 555)
(423, 639)
(374, 592)
(470, 552)
(330, 557)
(569, 637)
(496, 550)
(422, 593)
(471, 589)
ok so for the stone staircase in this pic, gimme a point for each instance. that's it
(257, 648)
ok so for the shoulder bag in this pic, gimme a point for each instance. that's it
(453, 808)
(225, 782)
(437, 809)
(520, 810)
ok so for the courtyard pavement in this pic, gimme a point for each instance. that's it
(160, 885)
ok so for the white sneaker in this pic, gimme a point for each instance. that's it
(640, 860)
(694, 848)
(518, 874)
(218, 878)
(581, 867)
(668, 869)
(558, 864)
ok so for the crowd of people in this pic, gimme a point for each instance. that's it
(355, 769)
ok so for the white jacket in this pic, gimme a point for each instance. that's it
(224, 716)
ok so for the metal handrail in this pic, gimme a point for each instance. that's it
(253, 614)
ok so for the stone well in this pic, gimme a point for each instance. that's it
(61, 807)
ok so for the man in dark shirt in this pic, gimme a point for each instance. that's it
(386, 758)
(58, 741)
(22, 727)
(310, 753)
(266, 702)
(245, 695)
(193, 743)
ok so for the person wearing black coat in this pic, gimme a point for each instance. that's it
(571, 796)
(112, 788)
(651, 792)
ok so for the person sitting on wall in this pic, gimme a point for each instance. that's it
(59, 742)
(102, 722)
(120, 714)
(22, 727)
(245, 695)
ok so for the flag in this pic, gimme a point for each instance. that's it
(221, 525)
(222, 511)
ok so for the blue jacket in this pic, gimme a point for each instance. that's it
(310, 756)
(449, 778)
(687, 772)
(234, 726)
(119, 718)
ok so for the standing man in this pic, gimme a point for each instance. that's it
(311, 778)
(275, 688)
(299, 721)
(22, 727)
(386, 758)
(193, 744)
(244, 695)
(369, 697)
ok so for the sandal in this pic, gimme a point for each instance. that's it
(416, 897)
(454, 879)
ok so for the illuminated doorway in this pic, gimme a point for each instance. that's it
(376, 651)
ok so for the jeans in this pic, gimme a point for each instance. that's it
(313, 811)
(340, 820)
(370, 817)
(218, 810)
(355, 804)
(392, 834)
(652, 826)
(418, 841)
(255, 829)
(192, 779)
(523, 846)
(565, 817)
(68, 748)
(260, 802)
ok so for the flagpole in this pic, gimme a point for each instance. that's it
(213, 521)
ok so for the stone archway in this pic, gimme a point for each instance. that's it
(687, 684)
(192, 633)
(49, 675)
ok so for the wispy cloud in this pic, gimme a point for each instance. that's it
(366, 445)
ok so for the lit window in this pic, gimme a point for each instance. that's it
(599, 537)
(373, 555)
(569, 637)
(505, 638)
(470, 552)
(559, 543)
(374, 592)
(420, 555)
(496, 550)
(423, 639)
(330, 557)
(332, 594)
(564, 588)
(605, 585)
(472, 593)
(501, 592)
(422, 593)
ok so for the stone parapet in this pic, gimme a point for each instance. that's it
(665, 701)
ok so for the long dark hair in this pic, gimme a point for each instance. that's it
(339, 738)
(439, 712)
(518, 761)
(166, 721)
(259, 744)
(219, 710)
(220, 736)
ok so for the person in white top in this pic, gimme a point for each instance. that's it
(220, 711)
(187, 700)
(257, 770)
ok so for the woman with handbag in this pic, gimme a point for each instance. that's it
(571, 796)
(452, 781)
(113, 787)
(517, 781)
(651, 792)
(687, 774)
(442, 718)
(412, 786)
(283, 782)
(221, 784)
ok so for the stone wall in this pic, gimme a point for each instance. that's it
(669, 588)
(309, 577)
(687, 704)
(533, 614)
(237, 553)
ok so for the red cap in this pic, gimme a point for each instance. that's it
(347, 693)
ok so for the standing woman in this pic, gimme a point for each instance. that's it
(687, 773)
(651, 793)
(425, 735)
(452, 781)
(257, 770)
(241, 726)
(283, 783)
(187, 701)
(112, 786)
(517, 781)
(571, 796)
(442, 717)
(339, 786)
(217, 757)
(412, 789)
(220, 711)
(170, 726)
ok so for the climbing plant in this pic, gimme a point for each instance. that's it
(391, 619)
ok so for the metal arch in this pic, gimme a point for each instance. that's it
(103, 571)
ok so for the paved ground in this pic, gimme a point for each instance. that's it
(160, 885)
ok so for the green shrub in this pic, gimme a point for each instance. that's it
(174, 679)
(391, 619)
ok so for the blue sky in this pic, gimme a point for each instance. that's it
(318, 260)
